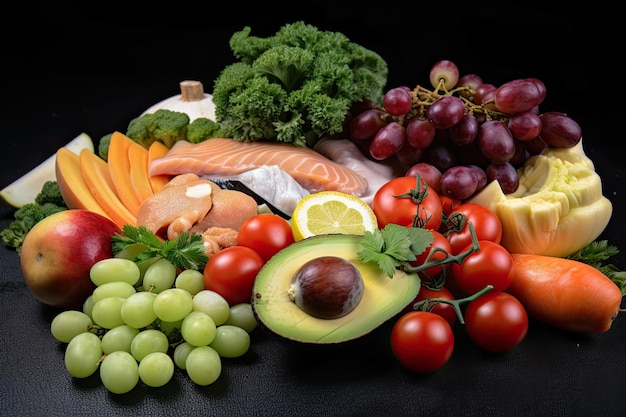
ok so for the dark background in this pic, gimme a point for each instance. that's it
(87, 68)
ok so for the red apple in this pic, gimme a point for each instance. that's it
(58, 252)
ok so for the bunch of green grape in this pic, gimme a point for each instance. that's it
(141, 323)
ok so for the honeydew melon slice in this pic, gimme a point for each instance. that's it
(24, 189)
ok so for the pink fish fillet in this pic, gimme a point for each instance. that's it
(223, 156)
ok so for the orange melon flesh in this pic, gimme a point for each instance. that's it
(119, 171)
(157, 150)
(138, 158)
(98, 179)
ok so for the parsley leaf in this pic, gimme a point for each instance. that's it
(394, 246)
(595, 253)
(187, 251)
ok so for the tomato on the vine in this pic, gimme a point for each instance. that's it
(449, 204)
(440, 248)
(487, 226)
(231, 273)
(401, 201)
(496, 321)
(266, 233)
(422, 341)
(492, 265)
(445, 310)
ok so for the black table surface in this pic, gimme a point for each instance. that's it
(91, 69)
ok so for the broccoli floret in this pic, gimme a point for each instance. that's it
(25, 218)
(201, 129)
(50, 193)
(166, 126)
(295, 86)
(103, 146)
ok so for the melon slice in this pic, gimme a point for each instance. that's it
(24, 190)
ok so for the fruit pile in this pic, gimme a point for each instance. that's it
(471, 131)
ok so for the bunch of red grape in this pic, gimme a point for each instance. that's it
(469, 131)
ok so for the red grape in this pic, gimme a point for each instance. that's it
(465, 131)
(446, 111)
(505, 174)
(367, 123)
(420, 133)
(446, 72)
(397, 101)
(458, 182)
(495, 141)
(387, 141)
(517, 96)
(525, 125)
(559, 130)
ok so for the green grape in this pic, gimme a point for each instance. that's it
(88, 305)
(107, 313)
(241, 315)
(118, 338)
(119, 372)
(68, 324)
(113, 289)
(203, 365)
(198, 329)
(114, 269)
(173, 304)
(160, 275)
(171, 329)
(138, 309)
(148, 341)
(82, 355)
(180, 354)
(190, 280)
(213, 304)
(231, 341)
(156, 369)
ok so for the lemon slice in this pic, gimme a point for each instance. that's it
(331, 212)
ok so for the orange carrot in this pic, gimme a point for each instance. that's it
(565, 293)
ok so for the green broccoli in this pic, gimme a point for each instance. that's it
(201, 129)
(50, 193)
(166, 126)
(25, 218)
(295, 86)
(103, 146)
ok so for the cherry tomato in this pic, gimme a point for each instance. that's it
(487, 226)
(491, 265)
(422, 341)
(496, 321)
(231, 273)
(439, 242)
(389, 207)
(449, 204)
(444, 310)
(266, 233)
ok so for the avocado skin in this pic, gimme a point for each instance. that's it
(383, 297)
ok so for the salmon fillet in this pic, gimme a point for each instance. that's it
(223, 156)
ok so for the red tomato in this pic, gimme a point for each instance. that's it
(444, 310)
(422, 341)
(449, 204)
(266, 233)
(487, 226)
(231, 273)
(491, 265)
(389, 207)
(439, 242)
(496, 321)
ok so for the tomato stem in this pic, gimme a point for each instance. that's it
(429, 303)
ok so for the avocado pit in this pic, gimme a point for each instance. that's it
(327, 287)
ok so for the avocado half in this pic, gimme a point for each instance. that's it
(383, 297)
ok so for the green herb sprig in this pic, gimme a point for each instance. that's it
(187, 251)
(595, 254)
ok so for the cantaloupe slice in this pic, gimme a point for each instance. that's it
(24, 190)
(138, 158)
(98, 179)
(72, 185)
(157, 150)
(119, 171)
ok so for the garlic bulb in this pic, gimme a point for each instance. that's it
(192, 100)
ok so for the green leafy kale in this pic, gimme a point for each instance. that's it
(296, 86)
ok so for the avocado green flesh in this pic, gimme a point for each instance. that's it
(383, 297)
